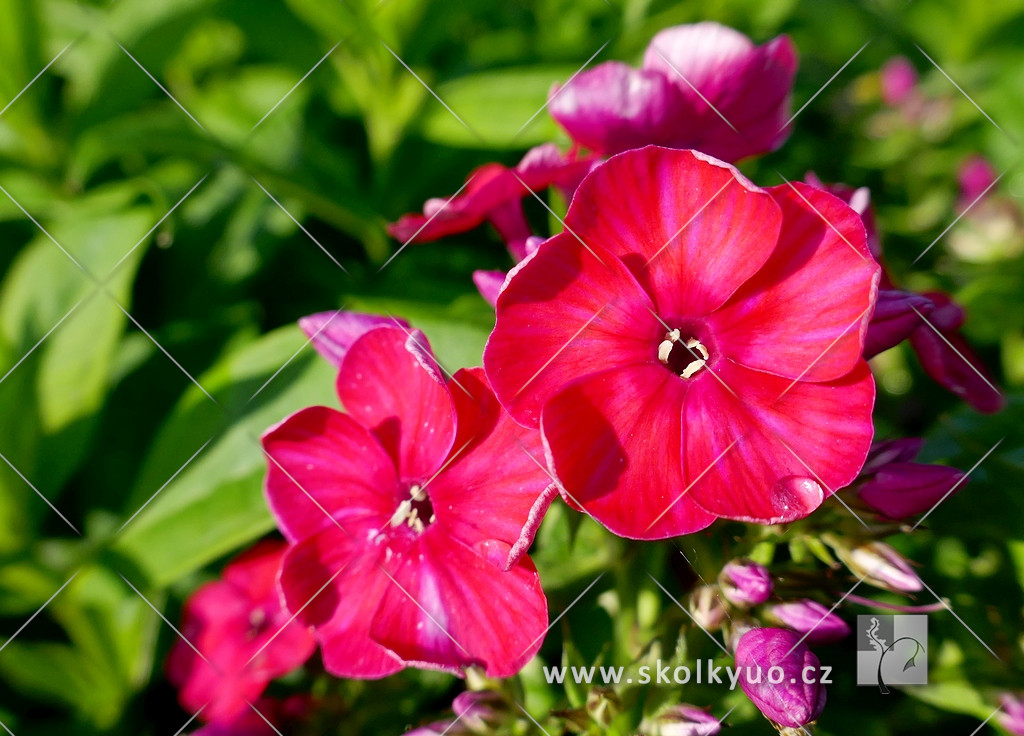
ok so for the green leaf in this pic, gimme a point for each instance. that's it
(215, 504)
(494, 107)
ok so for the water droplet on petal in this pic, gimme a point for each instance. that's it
(794, 497)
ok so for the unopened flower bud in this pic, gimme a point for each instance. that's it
(603, 705)
(707, 608)
(478, 710)
(900, 490)
(897, 314)
(781, 676)
(745, 583)
(882, 566)
(901, 450)
(682, 720)
(810, 618)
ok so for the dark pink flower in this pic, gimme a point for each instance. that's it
(745, 583)
(273, 717)
(898, 488)
(243, 637)
(703, 86)
(691, 346)
(405, 513)
(796, 697)
(818, 623)
(494, 193)
(898, 78)
(947, 357)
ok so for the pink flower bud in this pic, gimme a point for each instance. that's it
(883, 452)
(781, 676)
(745, 583)
(975, 176)
(898, 77)
(682, 720)
(882, 566)
(707, 607)
(897, 314)
(810, 618)
(900, 490)
(1012, 715)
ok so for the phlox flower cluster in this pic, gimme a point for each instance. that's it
(691, 346)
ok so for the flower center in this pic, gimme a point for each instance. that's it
(415, 512)
(683, 356)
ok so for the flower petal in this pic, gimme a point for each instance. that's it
(771, 449)
(498, 475)
(391, 384)
(720, 74)
(616, 440)
(321, 466)
(614, 107)
(690, 232)
(450, 606)
(334, 332)
(805, 313)
(565, 312)
(335, 582)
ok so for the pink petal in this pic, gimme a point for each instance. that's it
(450, 606)
(335, 582)
(805, 313)
(771, 449)
(391, 384)
(690, 228)
(614, 107)
(498, 474)
(616, 441)
(565, 313)
(334, 332)
(487, 187)
(489, 284)
(721, 74)
(323, 465)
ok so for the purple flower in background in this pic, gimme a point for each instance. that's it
(898, 78)
(975, 176)
(703, 86)
(781, 676)
(810, 618)
(745, 583)
(1012, 716)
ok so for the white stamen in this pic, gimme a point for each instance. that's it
(401, 513)
(692, 368)
(692, 344)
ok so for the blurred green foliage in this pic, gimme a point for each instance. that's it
(183, 180)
